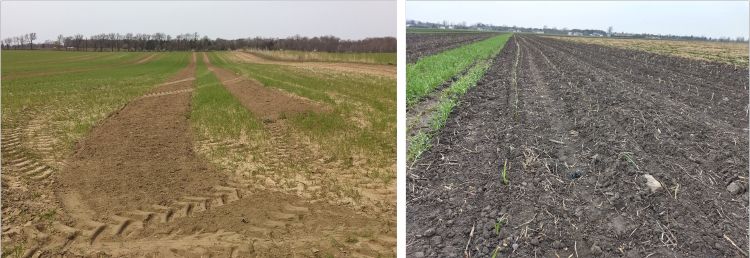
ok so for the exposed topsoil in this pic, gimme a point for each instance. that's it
(370, 69)
(263, 102)
(145, 59)
(419, 45)
(584, 130)
(134, 188)
(138, 156)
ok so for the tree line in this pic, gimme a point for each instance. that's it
(563, 31)
(22, 41)
(193, 41)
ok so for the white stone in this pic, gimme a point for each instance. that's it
(652, 183)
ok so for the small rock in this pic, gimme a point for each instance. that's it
(436, 240)
(419, 254)
(557, 244)
(515, 246)
(449, 222)
(429, 232)
(534, 241)
(596, 250)
(735, 188)
(315, 251)
(652, 183)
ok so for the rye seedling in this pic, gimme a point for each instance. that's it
(500, 223)
(629, 158)
(71, 91)
(449, 99)
(504, 173)
(429, 72)
(494, 253)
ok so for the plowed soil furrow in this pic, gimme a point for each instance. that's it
(614, 129)
(705, 72)
(696, 94)
(139, 156)
(547, 116)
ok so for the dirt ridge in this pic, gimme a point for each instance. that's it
(617, 129)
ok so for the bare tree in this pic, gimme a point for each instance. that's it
(78, 39)
(193, 41)
(31, 37)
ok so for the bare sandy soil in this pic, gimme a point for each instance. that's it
(370, 69)
(138, 186)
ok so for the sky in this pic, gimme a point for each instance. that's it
(700, 18)
(228, 20)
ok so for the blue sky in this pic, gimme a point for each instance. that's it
(712, 19)
(229, 19)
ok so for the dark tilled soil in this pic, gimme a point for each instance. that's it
(419, 45)
(580, 128)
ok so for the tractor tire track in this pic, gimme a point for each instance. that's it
(600, 206)
(282, 175)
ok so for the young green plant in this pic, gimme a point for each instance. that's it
(427, 74)
(504, 173)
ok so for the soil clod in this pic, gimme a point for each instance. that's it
(736, 188)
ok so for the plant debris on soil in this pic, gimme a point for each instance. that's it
(610, 152)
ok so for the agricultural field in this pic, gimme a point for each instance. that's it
(723, 52)
(306, 56)
(435, 83)
(423, 43)
(564, 149)
(168, 154)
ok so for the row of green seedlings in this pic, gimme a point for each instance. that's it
(514, 81)
(449, 98)
(427, 74)
(499, 223)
